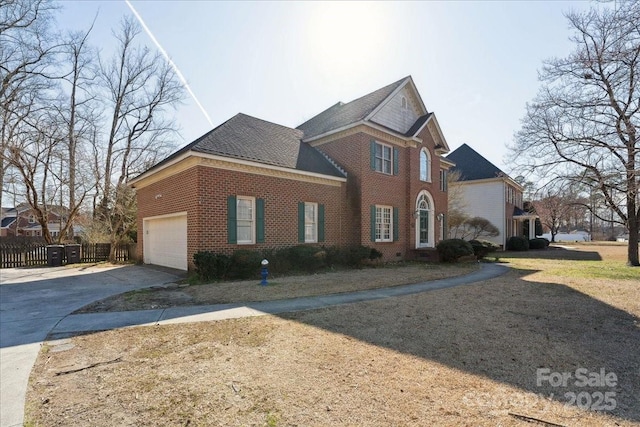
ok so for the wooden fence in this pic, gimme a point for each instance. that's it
(31, 255)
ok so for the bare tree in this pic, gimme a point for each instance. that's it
(26, 50)
(584, 121)
(456, 205)
(140, 86)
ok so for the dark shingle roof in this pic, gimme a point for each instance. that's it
(472, 165)
(248, 138)
(7, 221)
(418, 124)
(341, 114)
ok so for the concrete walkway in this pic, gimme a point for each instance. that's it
(77, 323)
(28, 319)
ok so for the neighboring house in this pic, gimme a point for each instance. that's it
(7, 221)
(22, 221)
(490, 193)
(368, 172)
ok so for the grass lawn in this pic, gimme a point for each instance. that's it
(485, 354)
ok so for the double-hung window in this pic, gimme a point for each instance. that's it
(443, 180)
(245, 220)
(310, 222)
(384, 224)
(383, 158)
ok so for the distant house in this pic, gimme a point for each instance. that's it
(490, 193)
(367, 172)
(22, 221)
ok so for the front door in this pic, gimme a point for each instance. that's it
(424, 228)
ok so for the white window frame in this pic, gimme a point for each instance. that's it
(32, 219)
(251, 221)
(382, 159)
(383, 227)
(404, 103)
(443, 180)
(425, 165)
(311, 223)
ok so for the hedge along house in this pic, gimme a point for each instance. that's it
(369, 172)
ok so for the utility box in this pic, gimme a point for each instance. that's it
(73, 253)
(54, 255)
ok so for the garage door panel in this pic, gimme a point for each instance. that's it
(166, 241)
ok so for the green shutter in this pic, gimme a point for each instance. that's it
(232, 230)
(396, 227)
(372, 154)
(260, 220)
(373, 223)
(301, 222)
(396, 161)
(320, 223)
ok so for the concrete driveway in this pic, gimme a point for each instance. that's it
(34, 300)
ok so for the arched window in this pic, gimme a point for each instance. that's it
(403, 102)
(425, 165)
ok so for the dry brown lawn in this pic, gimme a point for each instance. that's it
(279, 288)
(464, 356)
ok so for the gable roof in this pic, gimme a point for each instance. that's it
(248, 138)
(340, 114)
(472, 165)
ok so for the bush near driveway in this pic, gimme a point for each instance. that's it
(451, 250)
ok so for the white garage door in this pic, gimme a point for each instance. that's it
(165, 241)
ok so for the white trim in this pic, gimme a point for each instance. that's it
(315, 222)
(372, 125)
(391, 159)
(429, 165)
(253, 221)
(390, 239)
(433, 118)
(384, 102)
(191, 153)
(164, 216)
(430, 226)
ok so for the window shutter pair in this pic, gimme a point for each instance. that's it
(232, 220)
(372, 157)
(301, 222)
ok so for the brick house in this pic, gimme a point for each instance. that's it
(367, 172)
(490, 193)
(22, 221)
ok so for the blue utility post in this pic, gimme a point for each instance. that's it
(264, 272)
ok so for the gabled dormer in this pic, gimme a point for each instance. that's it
(396, 110)
(401, 109)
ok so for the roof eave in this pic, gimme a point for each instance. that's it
(373, 125)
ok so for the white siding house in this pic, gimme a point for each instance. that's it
(489, 193)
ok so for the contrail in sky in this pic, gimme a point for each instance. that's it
(173, 65)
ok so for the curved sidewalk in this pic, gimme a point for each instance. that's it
(77, 323)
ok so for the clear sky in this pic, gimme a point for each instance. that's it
(474, 63)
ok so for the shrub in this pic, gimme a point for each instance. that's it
(538, 243)
(481, 248)
(518, 243)
(307, 258)
(451, 250)
(211, 266)
(245, 264)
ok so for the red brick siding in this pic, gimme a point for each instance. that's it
(366, 187)
(203, 191)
